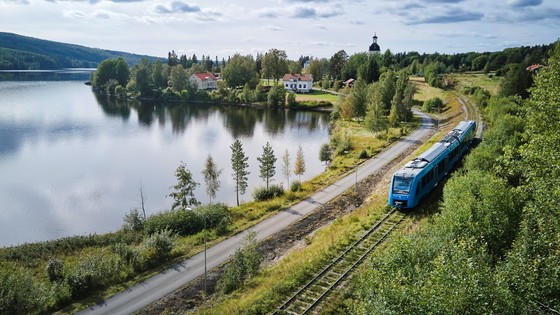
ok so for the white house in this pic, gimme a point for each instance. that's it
(204, 81)
(300, 83)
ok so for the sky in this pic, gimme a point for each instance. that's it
(317, 28)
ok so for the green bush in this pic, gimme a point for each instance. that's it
(337, 85)
(276, 96)
(245, 263)
(161, 243)
(341, 142)
(120, 90)
(54, 270)
(179, 221)
(290, 99)
(295, 186)
(262, 193)
(110, 86)
(20, 293)
(432, 105)
(216, 215)
(81, 281)
(155, 250)
(94, 271)
(133, 220)
(363, 154)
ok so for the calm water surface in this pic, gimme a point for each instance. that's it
(72, 162)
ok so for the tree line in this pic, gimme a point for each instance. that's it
(242, 74)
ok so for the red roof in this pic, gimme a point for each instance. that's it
(533, 67)
(205, 76)
(297, 77)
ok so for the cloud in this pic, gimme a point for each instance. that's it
(90, 1)
(466, 34)
(23, 2)
(309, 1)
(443, 1)
(274, 28)
(209, 16)
(530, 14)
(303, 12)
(357, 22)
(102, 15)
(73, 14)
(269, 13)
(539, 15)
(524, 3)
(177, 7)
(450, 16)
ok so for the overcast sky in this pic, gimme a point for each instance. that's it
(316, 28)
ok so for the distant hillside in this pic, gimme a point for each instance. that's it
(27, 53)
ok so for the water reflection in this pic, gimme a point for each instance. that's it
(240, 121)
(113, 107)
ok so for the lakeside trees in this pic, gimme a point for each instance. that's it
(211, 175)
(239, 166)
(183, 195)
(111, 69)
(299, 164)
(274, 64)
(267, 161)
(240, 70)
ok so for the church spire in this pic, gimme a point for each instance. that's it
(374, 48)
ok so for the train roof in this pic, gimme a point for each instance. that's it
(464, 125)
(415, 166)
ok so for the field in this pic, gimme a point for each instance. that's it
(317, 96)
(425, 91)
(489, 82)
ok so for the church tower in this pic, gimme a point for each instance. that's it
(374, 48)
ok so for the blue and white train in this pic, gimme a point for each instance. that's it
(421, 175)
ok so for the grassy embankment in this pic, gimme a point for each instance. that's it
(276, 282)
(489, 82)
(73, 252)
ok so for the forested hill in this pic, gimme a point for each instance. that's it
(27, 53)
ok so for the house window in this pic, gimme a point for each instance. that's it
(286, 84)
(305, 86)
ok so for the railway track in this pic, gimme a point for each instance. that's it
(473, 113)
(306, 299)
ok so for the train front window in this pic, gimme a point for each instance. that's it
(401, 185)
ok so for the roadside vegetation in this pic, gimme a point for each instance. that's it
(493, 248)
(69, 273)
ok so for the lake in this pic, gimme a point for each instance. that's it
(73, 163)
